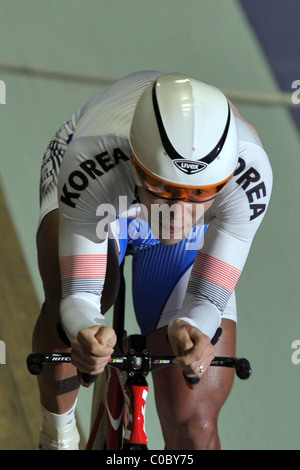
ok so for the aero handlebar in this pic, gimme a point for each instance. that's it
(137, 361)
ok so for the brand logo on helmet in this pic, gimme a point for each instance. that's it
(188, 166)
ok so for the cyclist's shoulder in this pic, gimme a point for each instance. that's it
(253, 160)
(247, 195)
(111, 110)
(84, 146)
(90, 169)
(250, 142)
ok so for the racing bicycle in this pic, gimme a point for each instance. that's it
(121, 391)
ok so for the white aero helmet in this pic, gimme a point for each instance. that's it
(183, 139)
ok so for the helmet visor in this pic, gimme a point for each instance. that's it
(163, 189)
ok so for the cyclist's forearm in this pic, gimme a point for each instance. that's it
(201, 314)
(78, 313)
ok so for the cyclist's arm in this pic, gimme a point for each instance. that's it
(85, 184)
(83, 260)
(235, 217)
(83, 269)
(87, 181)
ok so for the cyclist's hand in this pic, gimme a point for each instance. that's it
(92, 349)
(191, 347)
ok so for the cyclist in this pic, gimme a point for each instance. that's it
(162, 167)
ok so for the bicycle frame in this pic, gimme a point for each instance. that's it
(128, 399)
(123, 409)
(135, 391)
(111, 412)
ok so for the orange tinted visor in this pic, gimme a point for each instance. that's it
(163, 189)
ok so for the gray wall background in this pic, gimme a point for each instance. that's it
(209, 39)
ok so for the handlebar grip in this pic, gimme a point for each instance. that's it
(243, 369)
(88, 379)
(191, 382)
(217, 336)
(35, 363)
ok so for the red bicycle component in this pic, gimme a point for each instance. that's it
(135, 417)
(113, 407)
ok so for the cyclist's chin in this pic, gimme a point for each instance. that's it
(170, 241)
(169, 236)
